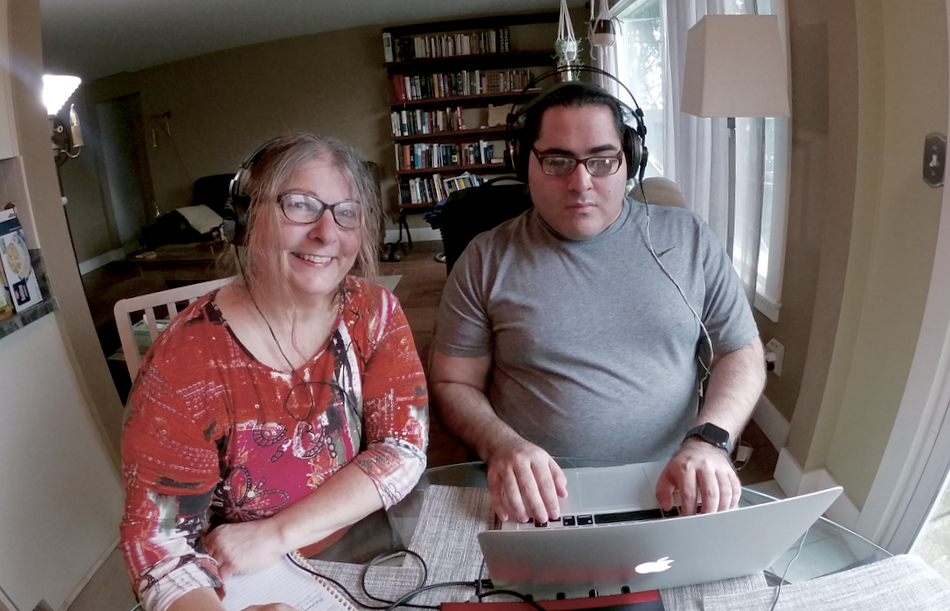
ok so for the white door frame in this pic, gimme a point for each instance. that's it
(917, 456)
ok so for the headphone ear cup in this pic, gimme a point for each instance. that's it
(513, 153)
(239, 202)
(633, 147)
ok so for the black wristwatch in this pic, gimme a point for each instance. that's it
(710, 433)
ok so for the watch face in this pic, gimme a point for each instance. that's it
(716, 435)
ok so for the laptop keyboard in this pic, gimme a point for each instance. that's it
(592, 519)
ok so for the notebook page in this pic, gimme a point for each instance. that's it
(282, 582)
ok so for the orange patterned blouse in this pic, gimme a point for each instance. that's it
(216, 436)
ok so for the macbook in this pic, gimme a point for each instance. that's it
(605, 544)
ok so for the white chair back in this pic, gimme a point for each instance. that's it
(145, 305)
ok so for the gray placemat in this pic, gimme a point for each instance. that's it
(898, 583)
(690, 598)
(445, 537)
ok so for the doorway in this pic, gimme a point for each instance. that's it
(125, 167)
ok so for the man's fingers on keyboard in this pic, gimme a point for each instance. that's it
(547, 494)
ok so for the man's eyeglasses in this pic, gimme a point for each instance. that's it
(562, 165)
(306, 209)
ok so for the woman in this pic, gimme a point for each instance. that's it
(288, 405)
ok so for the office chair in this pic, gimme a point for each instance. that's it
(471, 211)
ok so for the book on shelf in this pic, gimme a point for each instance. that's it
(498, 115)
(436, 46)
(431, 189)
(388, 54)
(454, 84)
(421, 122)
(462, 181)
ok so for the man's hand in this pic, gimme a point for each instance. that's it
(524, 482)
(244, 547)
(699, 470)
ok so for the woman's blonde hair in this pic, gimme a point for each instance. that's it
(260, 264)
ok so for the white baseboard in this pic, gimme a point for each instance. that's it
(772, 423)
(419, 234)
(793, 481)
(96, 262)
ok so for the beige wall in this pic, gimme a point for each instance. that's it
(224, 104)
(56, 471)
(811, 204)
(873, 205)
(897, 226)
(73, 317)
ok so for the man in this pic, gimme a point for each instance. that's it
(574, 329)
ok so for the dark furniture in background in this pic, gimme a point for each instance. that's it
(172, 228)
(469, 212)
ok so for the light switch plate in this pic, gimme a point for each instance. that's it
(935, 159)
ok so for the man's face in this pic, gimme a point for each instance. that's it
(578, 206)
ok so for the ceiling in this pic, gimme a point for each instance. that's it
(96, 38)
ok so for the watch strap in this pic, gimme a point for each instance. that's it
(713, 435)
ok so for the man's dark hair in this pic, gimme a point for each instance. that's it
(574, 94)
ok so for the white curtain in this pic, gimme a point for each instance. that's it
(697, 149)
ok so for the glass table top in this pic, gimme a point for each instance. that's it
(828, 547)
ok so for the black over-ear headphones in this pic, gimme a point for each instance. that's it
(633, 130)
(238, 198)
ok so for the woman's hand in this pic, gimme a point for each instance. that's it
(245, 547)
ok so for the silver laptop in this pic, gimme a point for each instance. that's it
(605, 544)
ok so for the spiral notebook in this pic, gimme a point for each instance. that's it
(284, 582)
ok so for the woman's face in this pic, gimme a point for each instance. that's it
(318, 255)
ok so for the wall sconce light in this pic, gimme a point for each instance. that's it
(56, 91)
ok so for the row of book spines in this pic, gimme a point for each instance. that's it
(479, 42)
(413, 122)
(454, 84)
(423, 156)
(431, 189)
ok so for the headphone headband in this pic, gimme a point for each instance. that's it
(632, 131)
(237, 198)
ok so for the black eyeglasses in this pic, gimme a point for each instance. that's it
(306, 209)
(563, 165)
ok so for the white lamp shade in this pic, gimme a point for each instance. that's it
(56, 90)
(735, 67)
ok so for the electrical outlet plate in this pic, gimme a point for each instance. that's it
(776, 348)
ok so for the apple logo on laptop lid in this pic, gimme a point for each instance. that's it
(657, 566)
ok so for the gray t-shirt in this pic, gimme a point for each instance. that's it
(594, 349)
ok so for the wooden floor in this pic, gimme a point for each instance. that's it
(419, 291)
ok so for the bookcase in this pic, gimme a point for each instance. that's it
(453, 84)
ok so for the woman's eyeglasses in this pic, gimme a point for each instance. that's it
(306, 209)
(562, 165)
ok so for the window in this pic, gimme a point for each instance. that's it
(685, 151)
